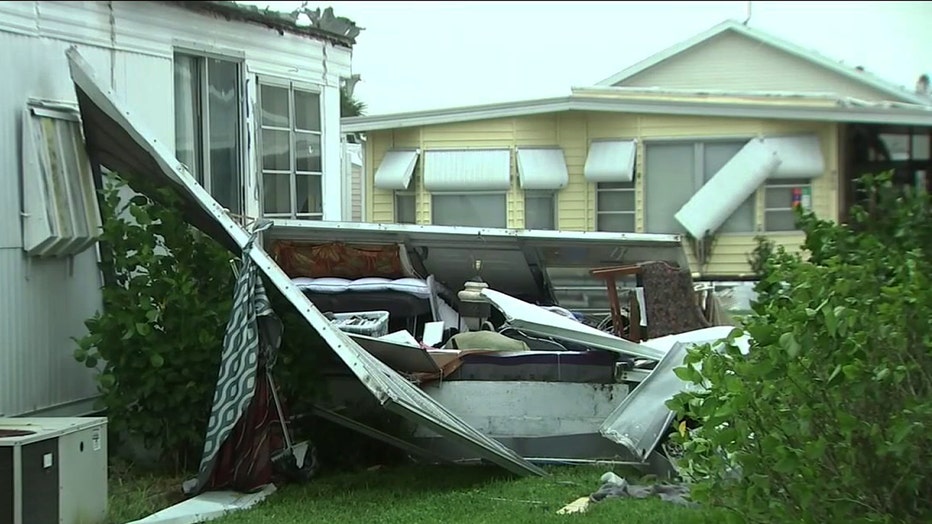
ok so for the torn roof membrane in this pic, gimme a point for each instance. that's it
(117, 141)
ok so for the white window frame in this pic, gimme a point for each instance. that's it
(203, 171)
(61, 213)
(789, 184)
(543, 193)
(503, 194)
(292, 173)
(399, 194)
(605, 187)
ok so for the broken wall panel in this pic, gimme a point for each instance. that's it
(116, 141)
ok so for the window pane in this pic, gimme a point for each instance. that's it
(615, 201)
(306, 110)
(307, 152)
(71, 172)
(223, 128)
(897, 145)
(539, 212)
(715, 156)
(277, 190)
(779, 220)
(469, 210)
(921, 145)
(188, 130)
(778, 197)
(276, 154)
(615, 185)
(669, 183)
(274, 102)
(309, 194)
(621, 223)
(405, 210)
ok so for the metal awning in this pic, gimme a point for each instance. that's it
(455, 170)
(610, 161)
(542, 168)
(396, 169)
(800, 156)
(711, 206)
(537, 320)
(116, 142)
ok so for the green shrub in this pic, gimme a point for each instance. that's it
(158, 340)
(825, 420)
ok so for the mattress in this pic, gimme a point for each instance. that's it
(588, 367)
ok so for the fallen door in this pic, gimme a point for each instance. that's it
(116, 141)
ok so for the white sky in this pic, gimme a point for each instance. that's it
(425, 55)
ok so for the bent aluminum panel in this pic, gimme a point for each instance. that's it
(116, 141)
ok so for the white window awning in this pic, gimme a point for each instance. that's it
(116, 141)
(708, 209)
(542, 168)
(610, 161)
(396, 169)
(800, 156)
(449, 170)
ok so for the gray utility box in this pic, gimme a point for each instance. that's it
(53, 470)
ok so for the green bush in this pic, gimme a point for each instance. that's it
(158, 340)
(825, 420)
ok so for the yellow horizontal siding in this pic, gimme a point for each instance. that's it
(573, 131)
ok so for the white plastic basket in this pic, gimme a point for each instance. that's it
(369, 323)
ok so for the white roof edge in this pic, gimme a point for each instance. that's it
(774, 41)
(920, 115)
(599, 89)
(454, 114)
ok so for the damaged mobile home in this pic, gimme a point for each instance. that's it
(301, 259)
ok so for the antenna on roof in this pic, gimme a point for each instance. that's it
(748, 18)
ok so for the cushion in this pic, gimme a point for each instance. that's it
(327, 285)
(414, 286)
(369, 284)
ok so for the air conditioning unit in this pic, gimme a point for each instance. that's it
(53, 470)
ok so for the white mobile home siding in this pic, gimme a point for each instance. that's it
(45, 302)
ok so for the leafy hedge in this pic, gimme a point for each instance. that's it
(826, 419)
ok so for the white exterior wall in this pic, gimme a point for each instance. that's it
(45, 302)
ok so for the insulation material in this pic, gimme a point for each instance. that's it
(711, 206)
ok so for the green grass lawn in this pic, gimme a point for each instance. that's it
(416, 493)
(410, 494)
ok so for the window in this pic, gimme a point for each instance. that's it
(780, 200)
(292, 168)
(405, 210)
(540, 210)
(60, 211)
(674, 172)
(209, 125)
(476, 210)
(615, 206)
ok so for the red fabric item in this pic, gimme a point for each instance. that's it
(336, 259)
(244, 462)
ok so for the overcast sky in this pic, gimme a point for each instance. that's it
(424, 55)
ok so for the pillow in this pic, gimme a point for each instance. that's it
(412, 286)
(302, 282)
(327, 285)
(369, 284)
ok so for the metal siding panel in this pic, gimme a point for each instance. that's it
(801, 156)
(45, 303)
(85, 23)
(19, 17)
(147, 82)
(51, 82)
(467, 170)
